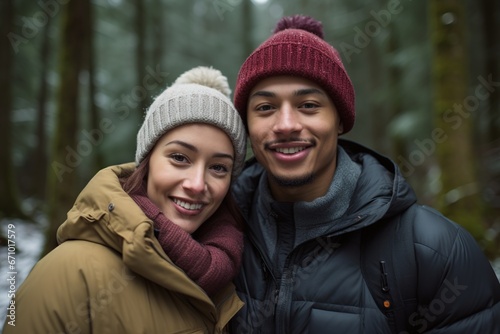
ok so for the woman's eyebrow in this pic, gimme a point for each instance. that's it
(223, 155)
(195, 149)
(182, 143)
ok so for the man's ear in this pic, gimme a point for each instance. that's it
(341, 128)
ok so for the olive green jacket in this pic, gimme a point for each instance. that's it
(110, 275)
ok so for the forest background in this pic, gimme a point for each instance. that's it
(78, 75)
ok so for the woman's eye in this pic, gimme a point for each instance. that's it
(220, 169)
(178, 158)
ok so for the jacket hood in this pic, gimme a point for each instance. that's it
(104, 213)
(381, 191)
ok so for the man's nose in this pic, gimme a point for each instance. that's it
(287, 120)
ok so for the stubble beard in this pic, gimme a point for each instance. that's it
(292, 182)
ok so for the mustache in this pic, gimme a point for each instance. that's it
(310, 141)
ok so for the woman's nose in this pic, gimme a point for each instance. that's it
(195, 181)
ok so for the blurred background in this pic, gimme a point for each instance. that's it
(78, 75)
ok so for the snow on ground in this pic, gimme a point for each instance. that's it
(28, 244)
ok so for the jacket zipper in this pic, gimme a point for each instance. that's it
(283, 294)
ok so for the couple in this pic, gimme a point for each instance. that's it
(160, 246)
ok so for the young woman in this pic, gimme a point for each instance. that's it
(151, 247)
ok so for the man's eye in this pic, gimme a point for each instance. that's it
(265, 107)
(309, 105)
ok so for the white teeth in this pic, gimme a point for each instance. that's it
(290, 150)
(188, 206)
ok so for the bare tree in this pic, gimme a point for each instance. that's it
(459, 196)
(9, 202)
(490, 10)
(65, 159)
(88, 16)
(140, 51)
(38, 160)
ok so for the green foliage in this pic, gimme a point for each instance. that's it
(385, 46)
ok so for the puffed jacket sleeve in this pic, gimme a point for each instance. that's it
(458, 290)
(56, 296)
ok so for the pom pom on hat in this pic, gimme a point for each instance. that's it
(205, 76)
(300, 22)
(297, 48)
(200, 95)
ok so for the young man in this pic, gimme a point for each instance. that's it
(335, 240)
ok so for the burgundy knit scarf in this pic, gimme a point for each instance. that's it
(211, 256)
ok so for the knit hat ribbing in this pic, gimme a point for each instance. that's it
(297, 48)
(200, 95)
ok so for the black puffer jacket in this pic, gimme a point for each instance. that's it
(321, 288)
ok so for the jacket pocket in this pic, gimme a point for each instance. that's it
(323, 321)
(88, 215)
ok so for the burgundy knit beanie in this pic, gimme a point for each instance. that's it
(297, 48)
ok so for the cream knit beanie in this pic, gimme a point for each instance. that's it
(200, 95)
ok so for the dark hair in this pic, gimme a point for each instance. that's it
(233, 209)
(133, 182)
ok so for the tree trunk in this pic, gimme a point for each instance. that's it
(140, 52)
(490, 11)
(490, 157)
(378, 111)
(9, 202)
(38, 161)
(88, 18)
(159, 32)
(246, 31)
(65, 155)
(459, 197)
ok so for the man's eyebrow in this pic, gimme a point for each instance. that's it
(299, 92)
(263, 93)
(308, 91)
